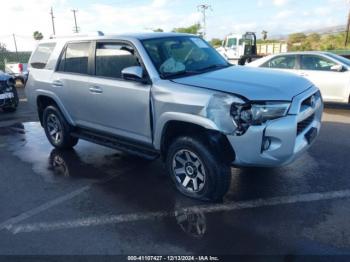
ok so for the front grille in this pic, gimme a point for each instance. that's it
(305, 124)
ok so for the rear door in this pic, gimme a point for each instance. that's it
(71, 81)
(318, 70)
(121, 107)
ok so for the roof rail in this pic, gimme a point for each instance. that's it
(97, 33)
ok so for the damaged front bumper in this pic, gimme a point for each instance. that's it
(279, 142)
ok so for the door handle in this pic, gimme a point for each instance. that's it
(96, 90)
(57, 83)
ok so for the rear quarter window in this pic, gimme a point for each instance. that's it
(74, 58)
(41, 55)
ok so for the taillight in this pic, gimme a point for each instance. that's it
(20, 68)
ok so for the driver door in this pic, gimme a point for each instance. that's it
(121, 107)
(318, 70)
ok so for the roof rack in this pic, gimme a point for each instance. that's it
(97, 33)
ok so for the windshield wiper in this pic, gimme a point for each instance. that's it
(215, 66)
(179, 73)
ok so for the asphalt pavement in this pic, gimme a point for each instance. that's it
(97, 201)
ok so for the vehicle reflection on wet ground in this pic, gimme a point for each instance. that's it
(94, 200)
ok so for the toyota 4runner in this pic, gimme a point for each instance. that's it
(172, 96)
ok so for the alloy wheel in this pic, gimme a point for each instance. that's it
(54, 128)
(189, 170)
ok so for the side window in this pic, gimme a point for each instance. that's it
(41, 55)
(75, 58)
(281, 62)
(112, 58)
(312, 62)
(232, 42)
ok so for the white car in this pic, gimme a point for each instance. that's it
(329, 72)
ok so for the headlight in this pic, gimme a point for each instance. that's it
(257, 113)
(218, 110)
(233, 115)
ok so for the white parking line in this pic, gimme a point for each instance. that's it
(15, 220)
(115, 219)
(42, 208)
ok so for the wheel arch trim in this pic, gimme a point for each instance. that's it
(179, 117)
(55, 98)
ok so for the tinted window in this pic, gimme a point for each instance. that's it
(282, 62)
(312, 62)
(112, 58)
(340, 58)
(75, 58)
(42, 55)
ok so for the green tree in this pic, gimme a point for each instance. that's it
(295, 41)
(37, 35)
(296, 38)
(2, 47)
(158, 30)
(216, 42)
(264, 35)
(193, 29)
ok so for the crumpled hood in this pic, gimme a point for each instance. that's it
(252, 83)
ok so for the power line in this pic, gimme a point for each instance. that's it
(14, 40)
(76, 29)
(347, 30)
(53, 22)
(203, 9)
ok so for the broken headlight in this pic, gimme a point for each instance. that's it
(245, 115)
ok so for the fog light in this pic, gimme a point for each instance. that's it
(266, 144)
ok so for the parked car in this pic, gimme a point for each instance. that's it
(8, 93)
(172, 96)
(18, 71)
(329, 72)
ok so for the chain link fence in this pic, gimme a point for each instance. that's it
(13, 57)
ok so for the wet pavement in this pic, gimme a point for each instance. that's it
(94, 200)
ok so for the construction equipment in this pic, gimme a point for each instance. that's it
(239, 48)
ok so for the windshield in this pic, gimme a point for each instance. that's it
(340, 59)
(183, 56)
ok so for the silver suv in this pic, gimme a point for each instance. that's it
(172, 96)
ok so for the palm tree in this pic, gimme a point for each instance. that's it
(264, 35)
(37, 35)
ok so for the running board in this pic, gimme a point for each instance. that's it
(120, 144)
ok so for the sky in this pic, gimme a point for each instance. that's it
(23, 17)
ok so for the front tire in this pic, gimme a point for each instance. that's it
(196, 170)
(57, 129)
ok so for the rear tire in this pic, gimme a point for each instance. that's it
(196, 170)
(57, 129)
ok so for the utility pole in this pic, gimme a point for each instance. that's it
(53, 22)
(14, 40)
(76, 29)
(203, 9)
(347, 30)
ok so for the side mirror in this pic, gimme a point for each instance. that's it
(134, 73)
(337, 68)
